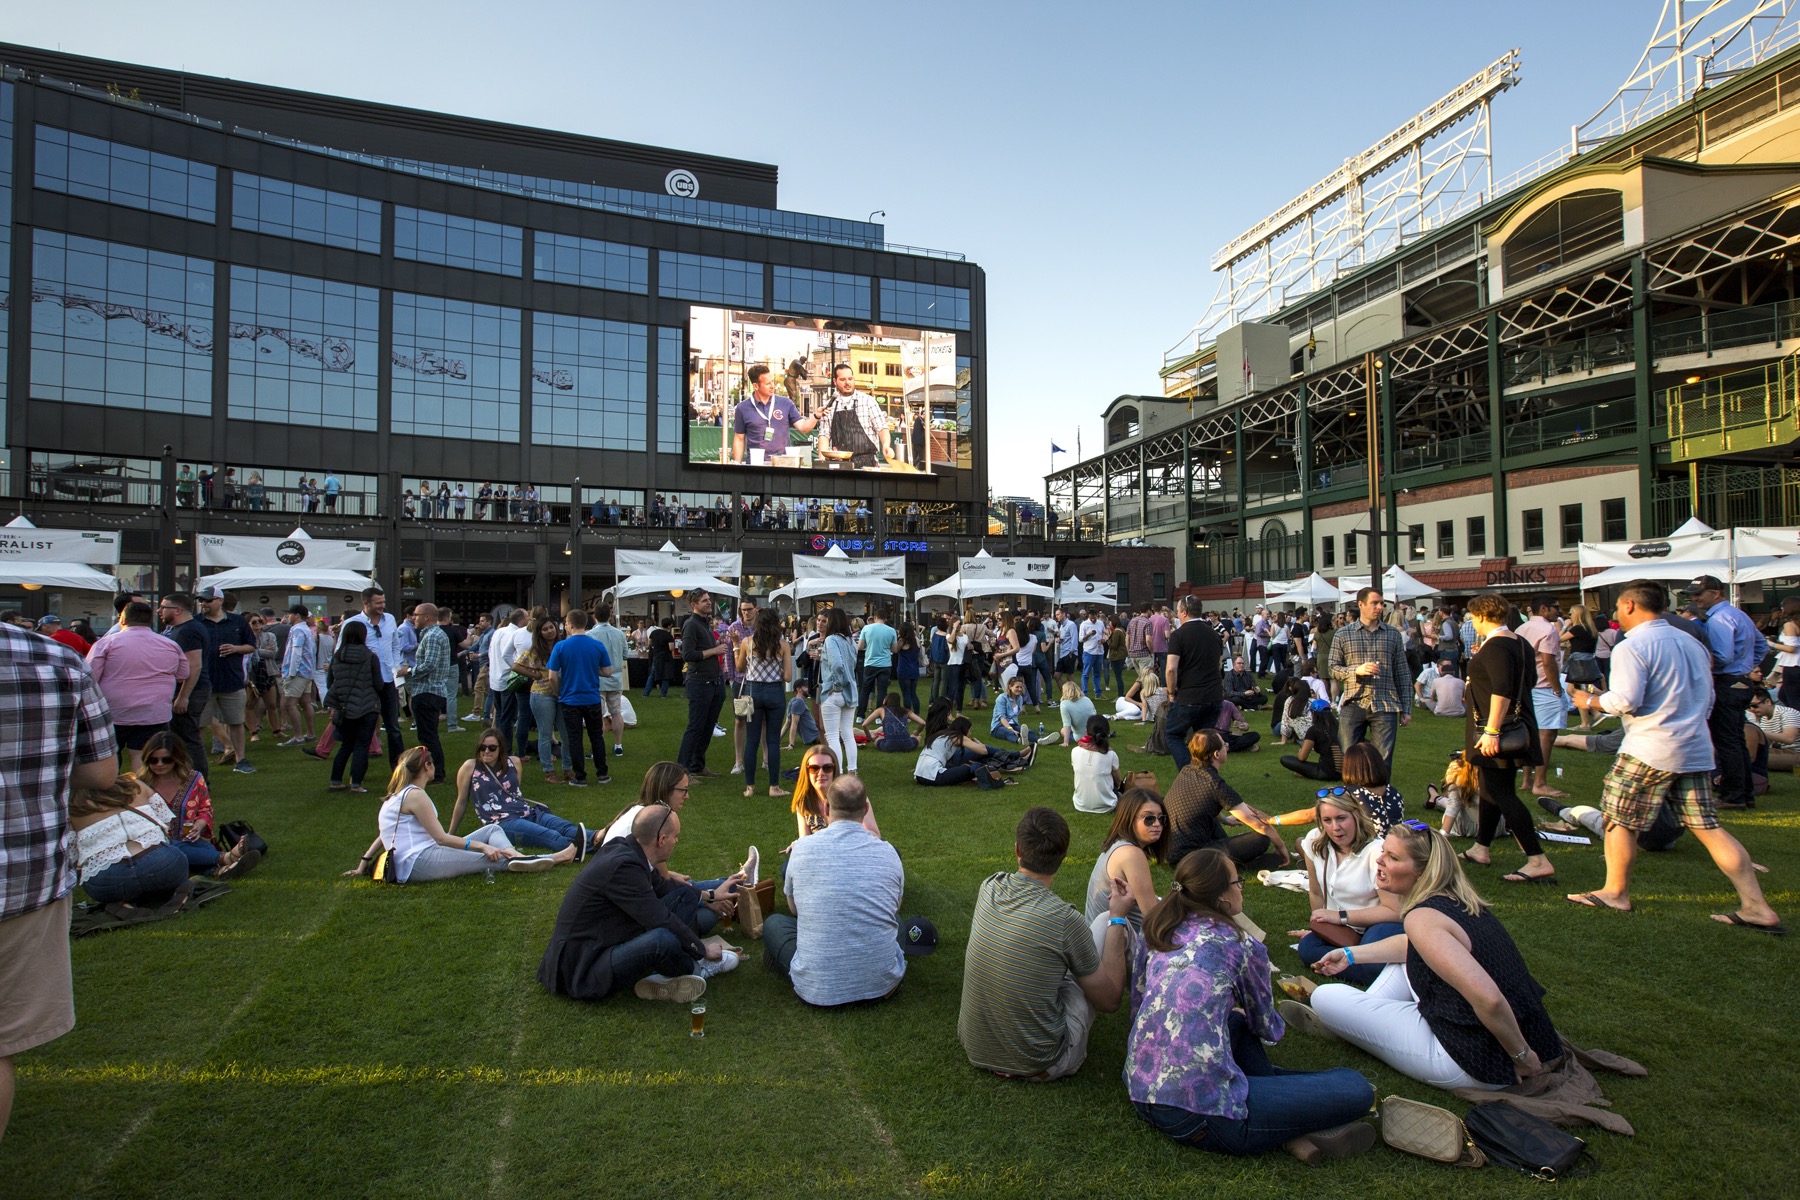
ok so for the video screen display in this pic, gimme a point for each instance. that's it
(822, 394)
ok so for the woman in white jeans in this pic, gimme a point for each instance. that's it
(1456, 1007)
(408, 826)
(837, 686)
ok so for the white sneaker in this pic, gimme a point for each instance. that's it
(737, 768)
(751, 865)
(706, 968)
(530, 863)
(717, 732)
(682, 989)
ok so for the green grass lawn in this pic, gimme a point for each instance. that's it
(311, 1035)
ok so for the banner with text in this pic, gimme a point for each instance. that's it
(220, 550)
(988, 569)
(58, 546)
(807, 566)
(715, 563)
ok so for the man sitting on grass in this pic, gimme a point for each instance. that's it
(1032, 978)
(623, 923)
(843, 884)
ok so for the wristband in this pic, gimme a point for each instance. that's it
(1344, 916)
(466, 841)
(1349, 957)
(1118, 921)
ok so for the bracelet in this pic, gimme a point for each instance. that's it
(1118, 921)
(1343, 916)
(1522, 1055)
(1491, 732)
(467, 840)
(1349, 957)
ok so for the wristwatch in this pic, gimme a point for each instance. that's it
(1522, 1055)
(1343, 916)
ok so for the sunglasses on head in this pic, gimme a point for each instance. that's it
(1327, 793)
(1416, 825)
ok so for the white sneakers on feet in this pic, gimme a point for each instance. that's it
(751, 864)
(706, 968)
(718, 732)
(682, 989)
(530, 863)
(737, 768)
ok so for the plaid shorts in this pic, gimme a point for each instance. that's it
(1633, 791)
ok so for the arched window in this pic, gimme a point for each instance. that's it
(1273, 529)
(1122, 425)
(1567, 229)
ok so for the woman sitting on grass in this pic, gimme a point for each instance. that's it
(1199, 802)
(1201, 1008)
(408, 827)
(1340, 887)
(121, 851)
(1146, 699)
(1139, 836)
(491, 781)
(896, 721)
(1366, 774)
(1456, 1007)
(1293, 712)
(1076, 710)
(950, 754)
(1096, 767)
(1322, 740)
(1008, 722)
(170, 774)
(818, 771)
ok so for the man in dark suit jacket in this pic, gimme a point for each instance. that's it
(625, 923)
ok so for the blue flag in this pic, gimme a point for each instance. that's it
(1056, 449)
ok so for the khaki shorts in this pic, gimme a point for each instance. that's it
(37, 992)
(615, 711)
(295, 687)
(224, 706)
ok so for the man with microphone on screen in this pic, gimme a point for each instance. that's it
(761, 422)
(858, 427)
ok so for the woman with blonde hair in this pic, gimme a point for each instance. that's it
(1347, 905)
(818, 771)
(1456, 1006)
(408, 827)
(1201, 1009)
(1580, 638)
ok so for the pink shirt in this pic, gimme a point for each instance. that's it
(1544, 638)
(138, 670)
(1159, 634)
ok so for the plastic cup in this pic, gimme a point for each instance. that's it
(697, 1020)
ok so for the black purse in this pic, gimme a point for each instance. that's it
(1514, 1138)
(233, 832)
(1514, 735)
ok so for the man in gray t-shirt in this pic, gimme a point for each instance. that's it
(843, 885)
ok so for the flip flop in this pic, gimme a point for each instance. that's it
(1522, 877)
(1592, 900)
(1775, 930)
(1474, 862)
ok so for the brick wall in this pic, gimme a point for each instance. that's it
(1139, 564)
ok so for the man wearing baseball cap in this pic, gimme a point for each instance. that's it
(1737, 646)
(51, 626)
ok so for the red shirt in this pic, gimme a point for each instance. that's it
(72, 640)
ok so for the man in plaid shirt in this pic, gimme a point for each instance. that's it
(431, 681)
(55, 734)
(1368, 658)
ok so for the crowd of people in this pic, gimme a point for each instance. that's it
(1424, 975)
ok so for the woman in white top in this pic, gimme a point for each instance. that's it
(408, 826)
(1096, 766)
(956, 648)
(1341, 888)
(1787, 654)
(121, 851)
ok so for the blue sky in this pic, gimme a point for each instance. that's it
(1091, 158)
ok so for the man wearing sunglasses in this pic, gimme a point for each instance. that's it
(624, 924)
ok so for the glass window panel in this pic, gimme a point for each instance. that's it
(6, 221)
(587, 381)
(591, 263)
(98, 327)
(703, 277)
(452, 359)
(302, 348)
(925, 304)
(426, 236)
(839, 295)
(119, 174)
(307, 214)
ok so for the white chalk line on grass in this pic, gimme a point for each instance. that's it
(883, 1134)
(498, 1163)
(137, 1123)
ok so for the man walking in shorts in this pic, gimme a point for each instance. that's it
(1661, 688)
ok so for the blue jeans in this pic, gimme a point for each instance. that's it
(764, 731)
(1179, 724)
(1003, 734)
(1093, 671)
(653, 953)
(540, 827)
(909, 691)
(202, 857)
(543, 712)
(1313, 948)
(1282, 1104)
(153, 874)
(1356, 724)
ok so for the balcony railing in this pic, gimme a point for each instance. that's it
(1742, 410)
(1729, 496)
(1760, 324)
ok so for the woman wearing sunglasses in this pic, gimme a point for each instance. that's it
(491, 782)
(1347, 906)
(818, 770)
(407, 826)
(1139, 836)
(1456, 1007)
(170, 774)
(1201, 1009)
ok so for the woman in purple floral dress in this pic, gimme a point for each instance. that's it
(1195, 1065)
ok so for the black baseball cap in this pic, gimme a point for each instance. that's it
(1703, 583)
(918, 937)
(299, 610)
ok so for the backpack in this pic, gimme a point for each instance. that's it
(939, 648)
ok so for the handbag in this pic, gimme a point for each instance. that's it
(1515, 1138)
(741, 705)
(754, 904)
(1429, 1132)
(233, 832)
(1334, 934)
(387, 862)
(1514, 737)
(1141, 779)
(1583, 668)
(515, 684)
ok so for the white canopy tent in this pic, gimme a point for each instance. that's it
(296, 561)
(1314, 589)
(670, 569)
(1694, 549)
(675, 585)
(835, 573)
(1758, 554)
(1075, 590)
(1006, 581)
(32, 558)
(1396, 585)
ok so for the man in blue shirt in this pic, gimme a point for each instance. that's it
(577, 663)
(761, 422)
(1737, 647)
(877, 642)
(229, 642)
(332, 488)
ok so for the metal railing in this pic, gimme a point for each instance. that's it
(1753, 407)
(1729, 497)
(1589, 353)
(1757, 325)
(80, 487)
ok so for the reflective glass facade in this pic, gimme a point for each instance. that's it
(588, 382)
(840, 295)
(6, 181)
(703, 277)
(308, 214)
(437, 237)
(303, 350)
(590, 263)
(120, 326)
(926, 305)
(455, 368)
(671, 380)
(120, 174)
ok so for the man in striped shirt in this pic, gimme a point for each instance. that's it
(1368, 657)
(1033, 977)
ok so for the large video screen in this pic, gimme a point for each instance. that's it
(821, 394)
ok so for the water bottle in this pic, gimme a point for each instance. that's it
(489, 873)
(1040, 736)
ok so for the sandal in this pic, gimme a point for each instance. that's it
(1476, 862)
(1522, 877)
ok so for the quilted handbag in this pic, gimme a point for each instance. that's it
(1429, 1132)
